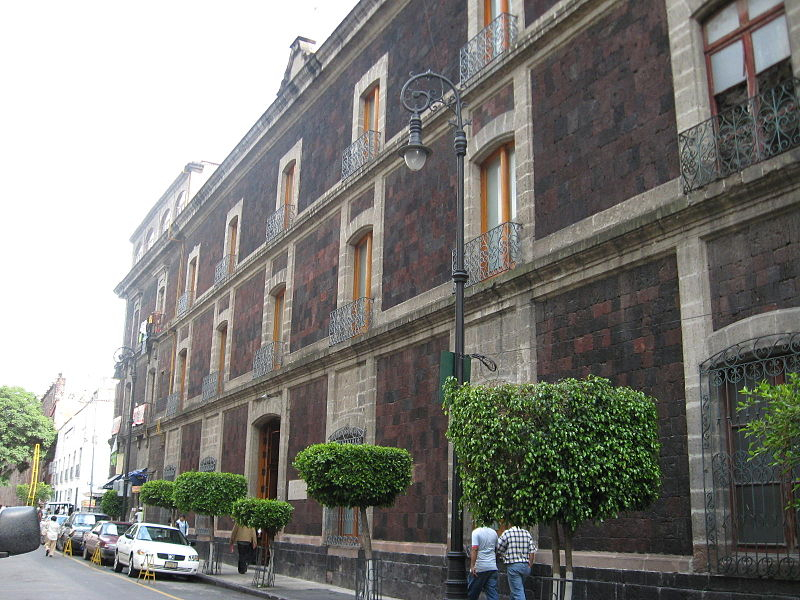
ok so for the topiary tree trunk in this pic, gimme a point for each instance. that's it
(557, 453)
(355, 476)
(209, 493)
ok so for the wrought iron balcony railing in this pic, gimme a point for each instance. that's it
(268, 358)
(757, 129)
(492, 253)
(184, 302)
(224, 269)
(173, 403)
(497, 38)
(210, 386)
(279, 221)
(350, 320)
(360, 152)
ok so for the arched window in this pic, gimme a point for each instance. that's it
(362, 267)
(165, 221)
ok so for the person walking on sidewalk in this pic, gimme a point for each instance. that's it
(246, 542)
(51, 535)
(482, 564)
(517, 548)
(183, 525)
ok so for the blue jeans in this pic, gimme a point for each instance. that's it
(517, 572)
(484, 580)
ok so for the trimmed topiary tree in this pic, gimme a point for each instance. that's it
(558, 453)
(268, 515)
(161, 493)
(209, 493)
(43, 492)
(111, 504)
(355, 476)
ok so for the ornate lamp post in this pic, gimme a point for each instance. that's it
(125, 364)
(417, 98)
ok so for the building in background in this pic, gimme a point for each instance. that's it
(80, 462)
(632, 211)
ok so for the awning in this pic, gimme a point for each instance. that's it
(109, 485)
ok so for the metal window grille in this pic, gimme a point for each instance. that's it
(341, 524)
(208, 464)
(169, 472)
(748, 532)
(492, 253)
(497, 38)
(173, 402)
(210, 385)
(268, 358)
(184, 302)
(224, 269)
(279, 221)
(759, 128)
(350, 320)
(360, 152)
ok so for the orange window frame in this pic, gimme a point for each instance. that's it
(277, 316)
(364, 246)
(288, 184)
(370, 103)
(505, 185)
(223, 343)
(488, 15)
(744, 33)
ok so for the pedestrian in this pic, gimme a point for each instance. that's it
(517, 549)
(51, 536)
(483, 564)
(246, 542)
(183, 525)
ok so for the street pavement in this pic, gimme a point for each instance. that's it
(33, 576)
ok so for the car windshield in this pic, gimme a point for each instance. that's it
(161, 534)
(114, 529)
(88, 519)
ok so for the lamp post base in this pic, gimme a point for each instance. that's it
(456, 585)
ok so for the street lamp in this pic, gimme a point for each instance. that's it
(125, 364)
(417, 98)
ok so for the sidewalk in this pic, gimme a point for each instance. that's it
(285, 588)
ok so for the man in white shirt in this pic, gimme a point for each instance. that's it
(482, 564)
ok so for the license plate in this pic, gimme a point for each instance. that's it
(170, 564)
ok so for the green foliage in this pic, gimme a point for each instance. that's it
(262, 513)
(209, 494)
(354, 475)
(43, 492)
(111, 504)
(158, 492)
(569, 451)
(22, 426)
(775, 434)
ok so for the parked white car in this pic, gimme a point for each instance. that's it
(165, 547)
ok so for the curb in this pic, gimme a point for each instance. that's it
(238, 587)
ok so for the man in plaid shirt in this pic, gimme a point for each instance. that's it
(517, 548)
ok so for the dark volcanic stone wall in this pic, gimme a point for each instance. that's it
(248, 313)
(190, 446)
(626, 327)
(603, 116)
(411, 417)
(200, 355)
(755, 269)
(234, 440)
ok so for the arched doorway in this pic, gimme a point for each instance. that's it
(268, 451)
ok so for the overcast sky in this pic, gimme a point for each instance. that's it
(103, 103)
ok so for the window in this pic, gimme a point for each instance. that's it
(277, 315)
(362, 268)
(342, 522)
(749, 531)
(288, 185)
(746, 48)
(493, 9)
(498, 188)
(370, 109)
(233, 235)
(180, 202)
(191, 278)
(164, 226)
(182, 364)
(222, 336)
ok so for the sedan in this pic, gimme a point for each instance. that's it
(104, 536)
(166, 549)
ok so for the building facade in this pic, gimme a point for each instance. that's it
(631, 211)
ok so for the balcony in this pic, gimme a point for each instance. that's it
(268, 358)
(279, 221)
(492, 253)
(184, 302)
(224, 269)
(360, 152)
(211, 386)
(173, 403)
(759, 128)
(350, 320)
(497, 38)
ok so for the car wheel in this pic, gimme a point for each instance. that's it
(117, 564)
(131, 571)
